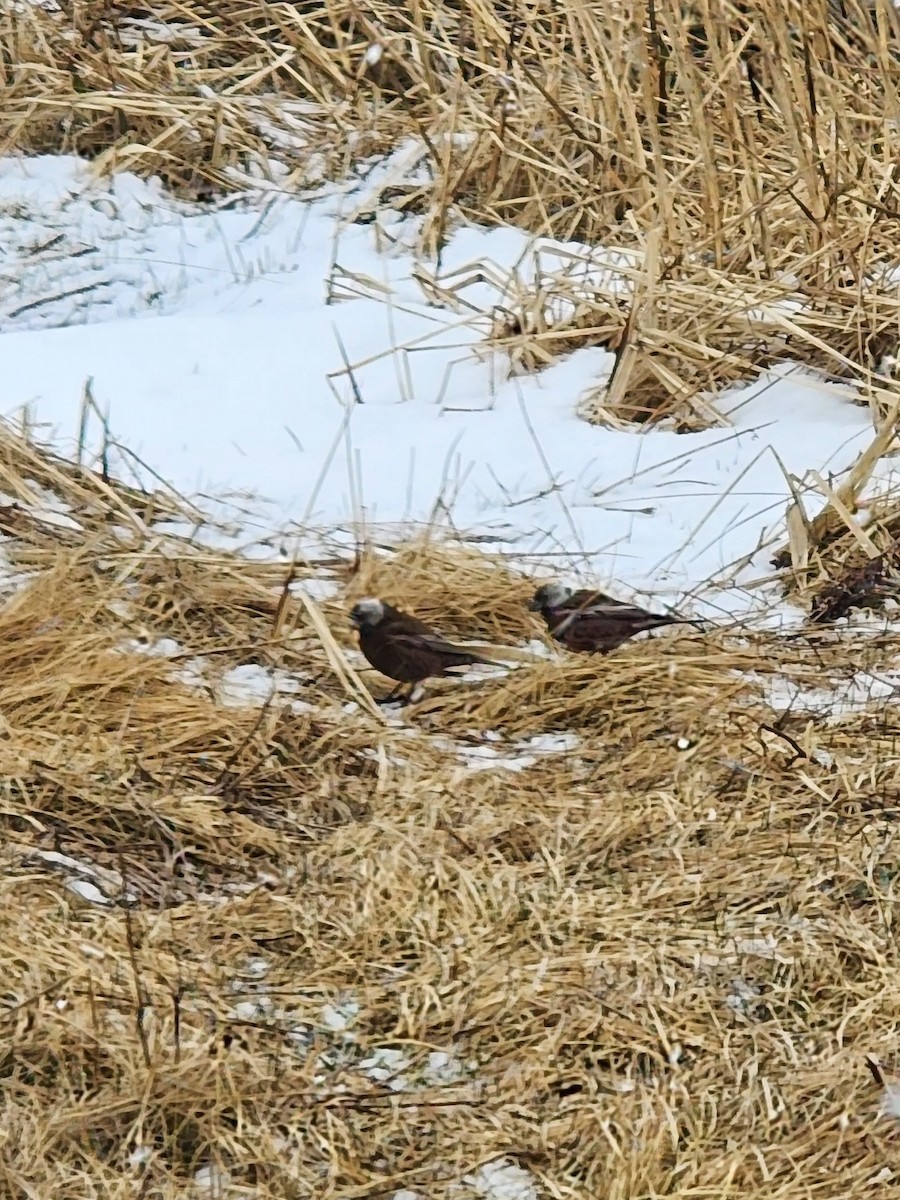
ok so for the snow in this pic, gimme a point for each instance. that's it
(890, 1101)
(87, 891)
(743, 996)
(212, 1180)
(520, 755)
(318, 589)
(385, 1065)
(854, 694)
(250, 685)
(82, 886)
(247, 685)
(339, 1017)
(502, 1180)
(224, 350)
(140, 1156)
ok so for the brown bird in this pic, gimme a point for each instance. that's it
(405, 648)
(592, 622)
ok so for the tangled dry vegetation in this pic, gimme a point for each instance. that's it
(281, 946)
(742, 152)
(277, 945)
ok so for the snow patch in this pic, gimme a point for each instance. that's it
(240, 319)
(502, 1180)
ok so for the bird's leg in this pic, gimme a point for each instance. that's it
(415, 693)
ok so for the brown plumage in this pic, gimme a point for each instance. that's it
(591, 622)
(405, 648)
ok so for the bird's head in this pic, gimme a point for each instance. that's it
(366, 614)
(550, 595)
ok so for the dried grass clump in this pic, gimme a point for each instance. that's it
(845, 558)
(278, 945)
(679, 336)
(851, 569)
(632, 693)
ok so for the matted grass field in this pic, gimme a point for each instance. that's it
(623, 925)
(616, 928)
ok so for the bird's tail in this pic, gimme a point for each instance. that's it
(697, 622)
(480, 660)
(496, 656)
(473, 660)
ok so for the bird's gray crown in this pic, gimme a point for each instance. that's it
(552, 595)
(367, 613)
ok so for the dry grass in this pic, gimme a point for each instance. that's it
(656, 960)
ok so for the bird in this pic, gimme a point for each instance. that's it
(592, 622)
(405, 648)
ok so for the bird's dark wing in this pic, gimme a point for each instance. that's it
(408, 633)
(404, 623)
(630, 613)
(603, 626)
(596, 604)
(587, 599)
(401, 625)
(413, 641)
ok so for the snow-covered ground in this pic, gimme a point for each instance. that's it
(217, 343)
